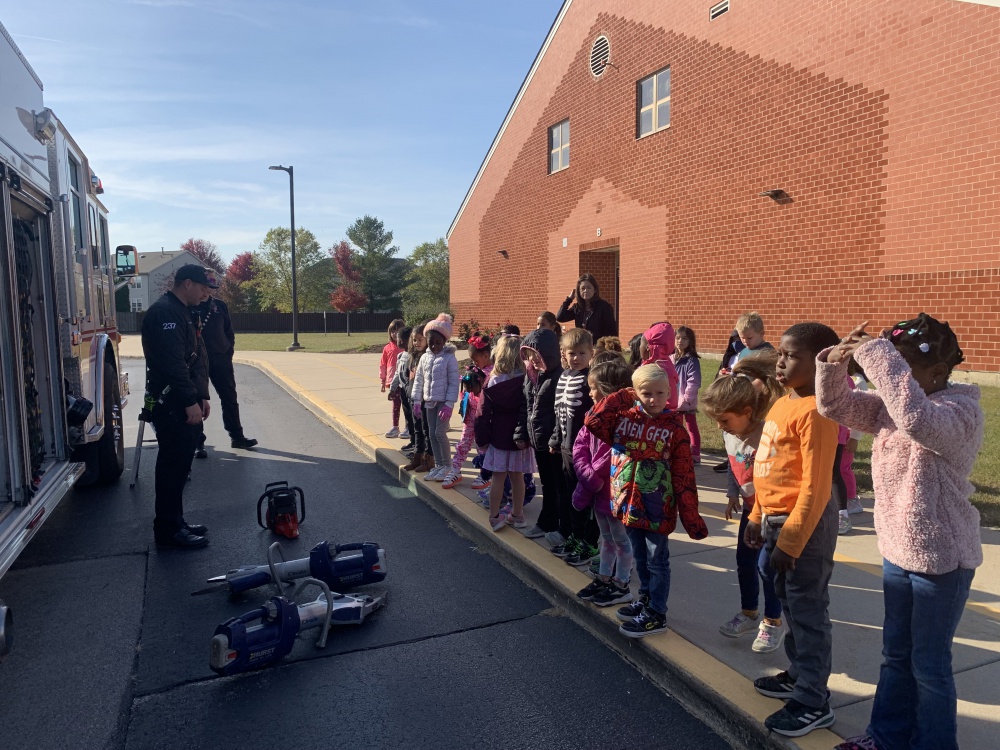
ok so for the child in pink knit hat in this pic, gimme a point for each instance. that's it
(656, 347)
(435, 391)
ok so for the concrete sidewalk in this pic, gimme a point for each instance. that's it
(710, 673)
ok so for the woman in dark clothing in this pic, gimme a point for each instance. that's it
(587, 310)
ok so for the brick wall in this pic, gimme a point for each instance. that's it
(891, 165)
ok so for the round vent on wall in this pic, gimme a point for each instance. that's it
(600, 55)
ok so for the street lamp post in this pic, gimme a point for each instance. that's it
(295, 296)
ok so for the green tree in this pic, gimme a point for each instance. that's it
(273, 271)
(383, 276)
(427, 293)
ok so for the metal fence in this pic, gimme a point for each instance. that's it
(275, 322)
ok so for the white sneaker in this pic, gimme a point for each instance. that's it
(432, 475)
(535, 532)
(854, 506)
(394, 432)
(554, 538)
(739, 625)
(769, 638)
(404, 435)
(843, 523)
(440, 473)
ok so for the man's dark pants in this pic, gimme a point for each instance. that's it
(220, 372)
(176, 441)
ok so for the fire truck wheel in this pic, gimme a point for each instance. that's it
(111, 447)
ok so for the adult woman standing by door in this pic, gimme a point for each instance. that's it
(587, 310)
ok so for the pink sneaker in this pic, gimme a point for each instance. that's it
(498, 521)
(517, 522)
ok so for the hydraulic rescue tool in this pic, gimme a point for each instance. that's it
(267, 634)
(340, 567)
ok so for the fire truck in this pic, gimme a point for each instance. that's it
(62, 388)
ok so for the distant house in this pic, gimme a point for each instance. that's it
(156, 273)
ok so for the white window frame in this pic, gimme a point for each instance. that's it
(136, 282)
(135, 305)
(654, 105)
(559, 149)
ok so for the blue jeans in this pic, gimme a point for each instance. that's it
(915, 702)
(753, 571)
(652, 563)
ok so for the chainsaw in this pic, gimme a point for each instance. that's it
(340, 567)
(286, 509)
(267, 634)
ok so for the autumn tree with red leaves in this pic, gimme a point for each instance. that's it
(347, 297)
(206, 252)
(237, 289)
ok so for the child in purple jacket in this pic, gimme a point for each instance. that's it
(927, 435)
(685, 359)
(592, 461)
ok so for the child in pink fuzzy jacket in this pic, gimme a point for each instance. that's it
(592, 462)
(927, 435)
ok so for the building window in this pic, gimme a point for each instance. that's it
(559, 146)
(653, 97)
(718, 9)
(136, 282)
(136, 305)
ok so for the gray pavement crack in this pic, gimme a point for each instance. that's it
(119, 740)
(321, 656)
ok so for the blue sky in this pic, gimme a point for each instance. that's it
(383, 108)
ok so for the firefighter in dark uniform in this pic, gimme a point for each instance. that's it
(220, 340)
(177, 388)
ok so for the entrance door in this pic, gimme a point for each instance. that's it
(603, 265)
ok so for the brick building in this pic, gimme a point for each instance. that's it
(645, 133)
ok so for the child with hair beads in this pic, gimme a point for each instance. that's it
(928, 432)
(548, 320)
(592, 459)
(502, 430)
(652, 480)
(685, 359)
(472, 383)
(435, 388)
(795, 522)
(398, 386)
(738, 402)
(422, 460)
(572, 403)
(540, 354)
(386, 372)
(655, 348)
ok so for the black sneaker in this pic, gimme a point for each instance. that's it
(797, 719)
(592, 590)
(649, 622)
(408, 448)
(721, 468)
(633, 610)
(612, 594)
(243, 443)
(565, 550)
(780, 686)
(583, 555)
(201, 453)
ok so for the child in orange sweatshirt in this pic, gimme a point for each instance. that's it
(796, 523)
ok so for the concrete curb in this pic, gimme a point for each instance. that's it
(706, 687)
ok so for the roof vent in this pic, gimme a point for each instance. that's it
(718, 9)
(600, 55)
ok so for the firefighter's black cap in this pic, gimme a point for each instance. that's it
(196, 273)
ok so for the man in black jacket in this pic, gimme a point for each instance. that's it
(177, 389)
(217, 333)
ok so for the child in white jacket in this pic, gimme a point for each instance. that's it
(435, 391)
